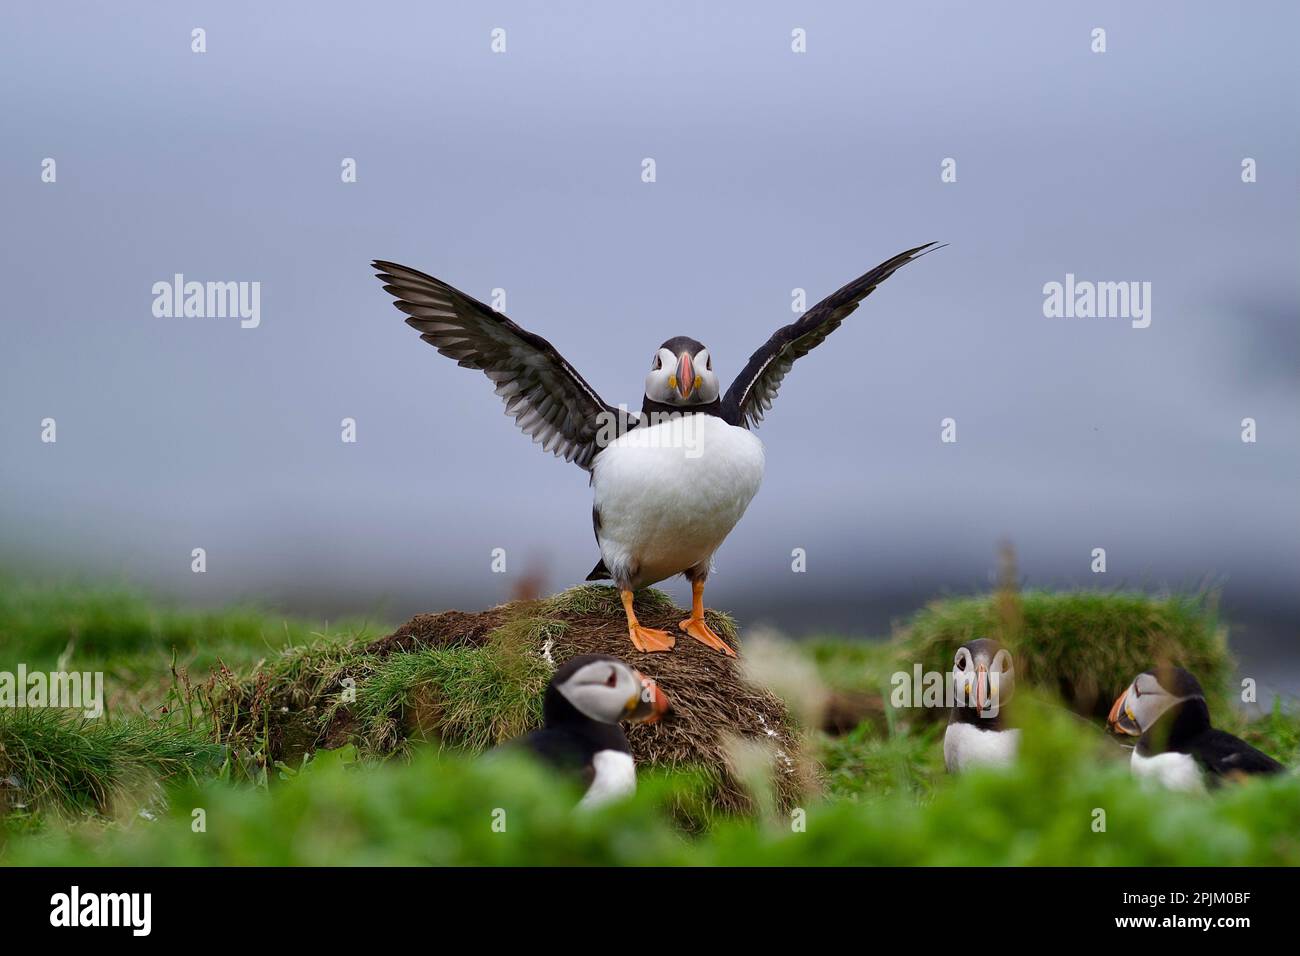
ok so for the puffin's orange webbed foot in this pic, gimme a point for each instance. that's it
(698, 629)
(647, 640)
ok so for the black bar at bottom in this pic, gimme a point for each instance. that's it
(334, 905)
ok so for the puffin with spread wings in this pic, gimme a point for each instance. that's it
(669, 484)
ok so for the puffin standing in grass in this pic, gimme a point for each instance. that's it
(669, 484)
(1177, 748)
(977, 735)
(585, 700)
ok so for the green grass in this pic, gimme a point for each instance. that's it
(228, 712)
(1084, 645)
(867, 763)
(853, 665)
(441, 809)
(40, 623)
(65, 766)
(481, 695)
(478, 696)
(1278, 733)
(138, 642)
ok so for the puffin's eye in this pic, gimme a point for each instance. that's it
(612, 680)
(961, 662)
(708, 364)
(659, 363)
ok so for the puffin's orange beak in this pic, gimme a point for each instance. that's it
(685, 375)
(1113, 717)
(653, 707)
(1119, 720)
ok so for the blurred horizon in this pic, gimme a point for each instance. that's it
(775, 171)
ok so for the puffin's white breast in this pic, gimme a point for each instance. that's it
(966, 746)
(615, 778)
(668, 494)
(1173, 771)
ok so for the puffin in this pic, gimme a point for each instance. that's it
(983, 680)
(580, 736)
(1177, 748)
(668, 484)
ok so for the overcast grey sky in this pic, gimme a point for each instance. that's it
(775, 170)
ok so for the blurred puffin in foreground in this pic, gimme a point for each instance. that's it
(983, 680)
(670, 484)
(1177, 748)
(585, 700)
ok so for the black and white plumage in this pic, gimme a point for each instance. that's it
(983, 681)
(586, 699)
(1177, 747)
(548, 399)
(750, 396)
(670, 484)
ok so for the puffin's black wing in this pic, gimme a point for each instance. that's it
(1227, 756)
(751, 394)
(548, 399)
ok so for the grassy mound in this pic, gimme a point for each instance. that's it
(1084, 646)
(471, 681)
(61, 766)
